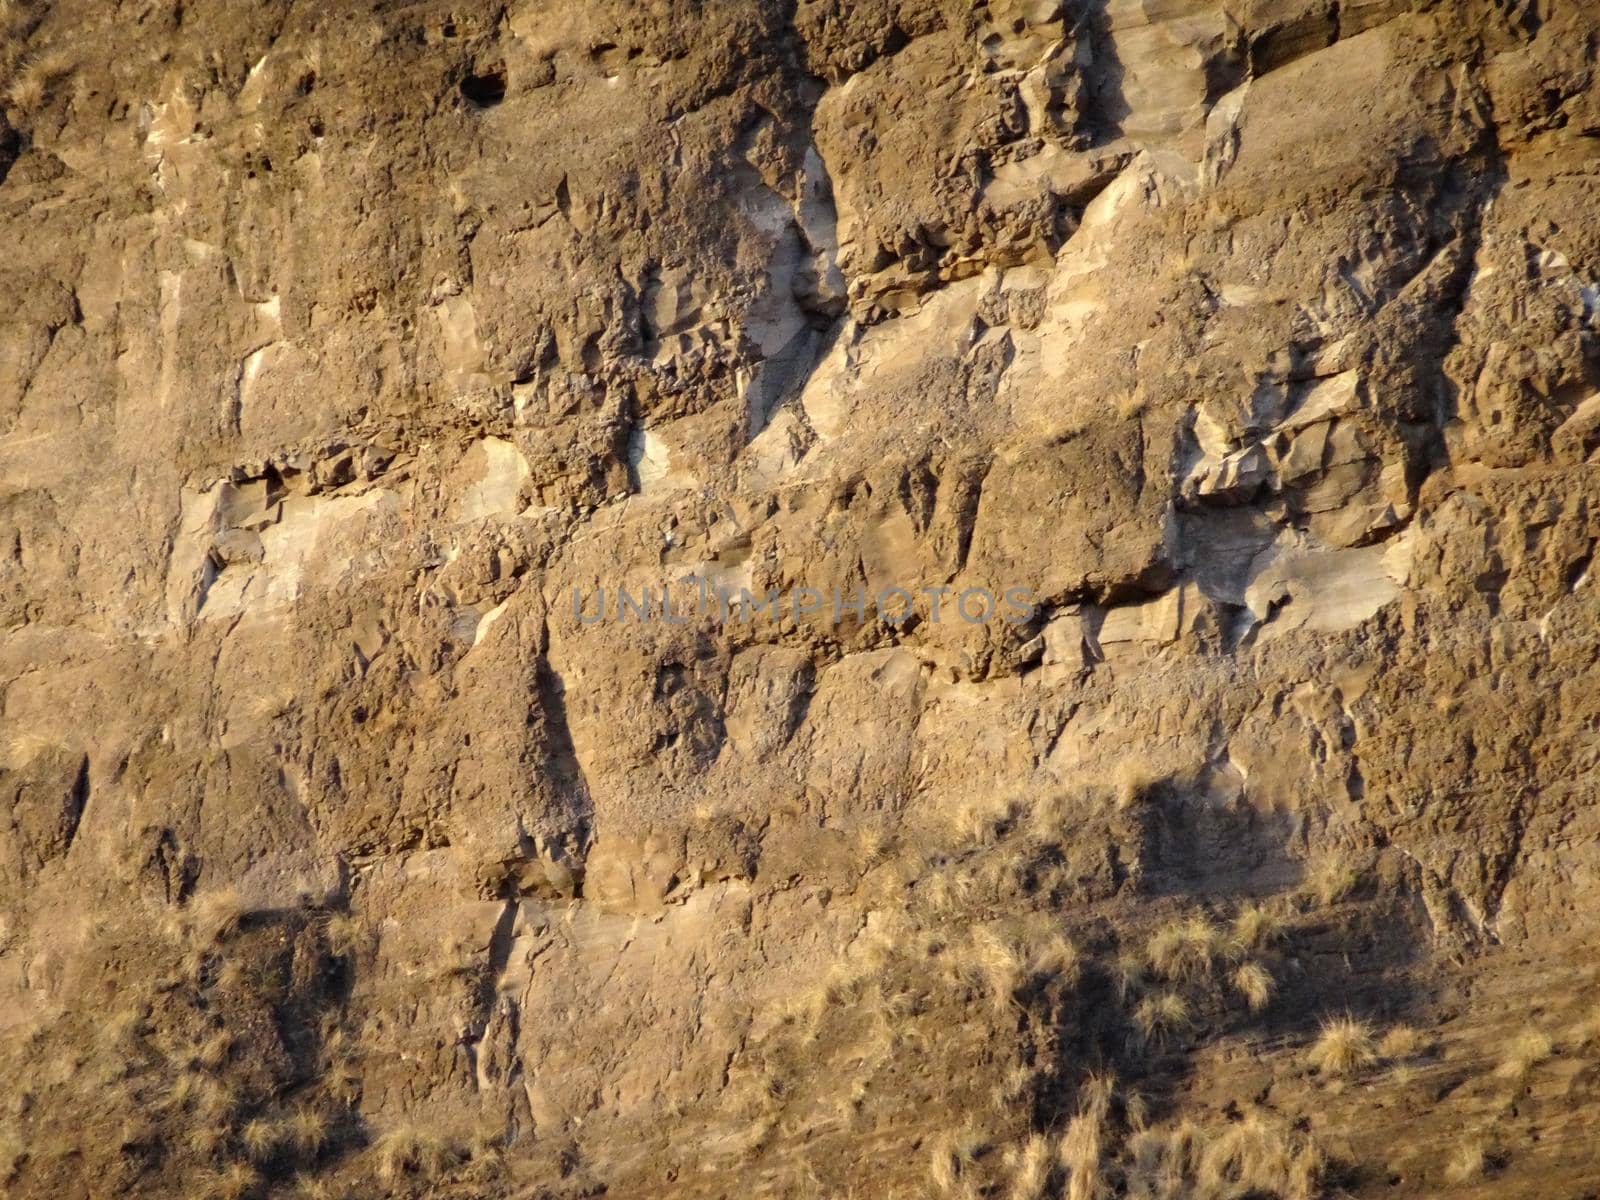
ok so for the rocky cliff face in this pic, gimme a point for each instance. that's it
(358, 835)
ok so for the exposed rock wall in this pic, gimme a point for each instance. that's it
(354, 356)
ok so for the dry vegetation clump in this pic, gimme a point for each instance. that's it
(1029, 1169)
(997, 962)
(952, 1160)
(1330, 877)
(1401, 1041)
(1527, 1049)
(307, 1129)
(1183, 950)
(1057, 959)
(217, 914)
(261, 1139)
(343, 935)
(33, 77)
(1254, 983)
(1254, 928)
(410, 1152)
(981, 819)
(236, 1181)
(13, 1151)
(1469, 1162)
(1134, 782)
(1162, 1015)
(1343, 1046)
(1254, 1156)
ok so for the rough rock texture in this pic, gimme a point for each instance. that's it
(340, 343)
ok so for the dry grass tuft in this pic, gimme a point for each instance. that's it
(1160, 1016)
(235, 1182)
(261, 1139)
(308, 1130)
(1254, 983)
(1058, 958)
(1330, 877)
(980, 820)
(998, 963)
(1183, 949)
(1343, 1046)
(1469, 1163)
(1401, 1041)
(1249, 1157)
(344, 935)
(1029, 1169)
(1134, 782)
(952, 1159)
(205, 1141)
(1530, 1047)
(1254, 928)
(1128, 972)
(214, 1051)
(1083, 1147)
(412, 1152)
(217, 914)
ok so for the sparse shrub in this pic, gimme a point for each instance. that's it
(1530, 1047)
(1254, 983)
(1343, 1046)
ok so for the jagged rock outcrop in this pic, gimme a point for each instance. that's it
(357, 833)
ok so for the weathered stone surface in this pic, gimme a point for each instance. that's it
(354, 357)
